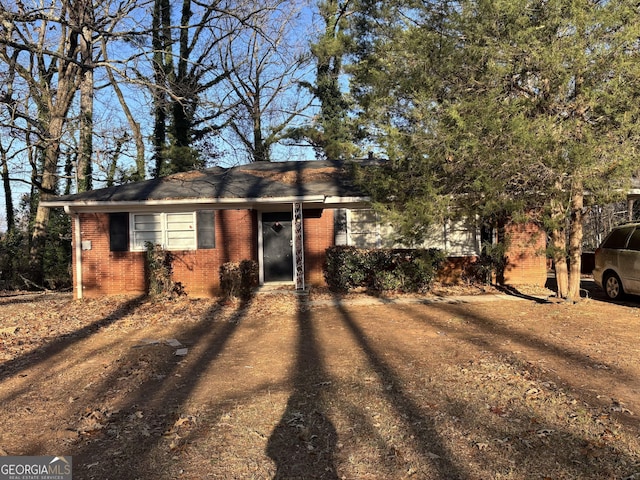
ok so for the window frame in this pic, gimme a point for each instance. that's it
(164, 231)
(119, 232)
(618, 238)
(205, 229)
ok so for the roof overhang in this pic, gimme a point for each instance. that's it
(213, 203)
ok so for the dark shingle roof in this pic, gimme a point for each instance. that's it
(256, 181)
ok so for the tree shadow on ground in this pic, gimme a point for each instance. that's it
(513, 291)
(504, 341)
(569, 446)
(158, 403)
(494, 333)
(59, 344)
(303, 443)
(428, 442)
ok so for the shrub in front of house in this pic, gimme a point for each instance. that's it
(159, 272)
(238, 279)
(401, 270)
(345, 268)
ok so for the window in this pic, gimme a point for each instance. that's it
(180, 231)
(174, 231)
(617, 238)
(119, 232)
(634, 240)
(206, 229)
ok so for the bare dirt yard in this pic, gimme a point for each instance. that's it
(484, 387)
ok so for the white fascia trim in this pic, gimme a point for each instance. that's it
(336, 199)
(348, 202)
(112, 206)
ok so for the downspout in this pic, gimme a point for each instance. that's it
(77, 251)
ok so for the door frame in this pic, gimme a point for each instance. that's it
(261, 249)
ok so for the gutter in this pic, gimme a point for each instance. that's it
(114, 205)
(227, 202)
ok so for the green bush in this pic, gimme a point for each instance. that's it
(14, 259)
(491, 264)
(345, 268)
(403, 270)
(237, 280)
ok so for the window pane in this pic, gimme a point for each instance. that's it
(206, 229)
(147, 228)
(150, 222)
(634, 241)
(180, 221)
(118, 232)
(181, 233)
(181, 240)
(617, 238)
(140, 238)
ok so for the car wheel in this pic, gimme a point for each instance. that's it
(613, 286)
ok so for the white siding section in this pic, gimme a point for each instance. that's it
(455, 238)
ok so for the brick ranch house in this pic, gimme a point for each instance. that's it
(283, 215)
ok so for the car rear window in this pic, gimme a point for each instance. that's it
(617, 238)
(634, 240)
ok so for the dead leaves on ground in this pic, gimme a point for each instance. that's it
(491, 412)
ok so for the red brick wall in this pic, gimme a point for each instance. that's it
(454, 269)
(109, 273)
(526, 258)
(236, 240)
(318, 236)
(105, 272)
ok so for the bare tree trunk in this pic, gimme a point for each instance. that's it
(560, 263)
(135, 126)
(57, 115)
(261, 150)
(85, 166)
(8, 199)
(85, 22)
(47, 187)
(559, 249)
(113, 164)
(575, 241)
(161, 43)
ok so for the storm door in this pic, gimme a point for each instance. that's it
(277, 247)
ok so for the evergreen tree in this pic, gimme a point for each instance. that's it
(508, 107)
(331, 133)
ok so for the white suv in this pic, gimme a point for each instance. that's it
(617, 261)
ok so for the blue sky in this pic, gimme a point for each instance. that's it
(110, 123)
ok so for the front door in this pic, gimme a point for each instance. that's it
(277, 247)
